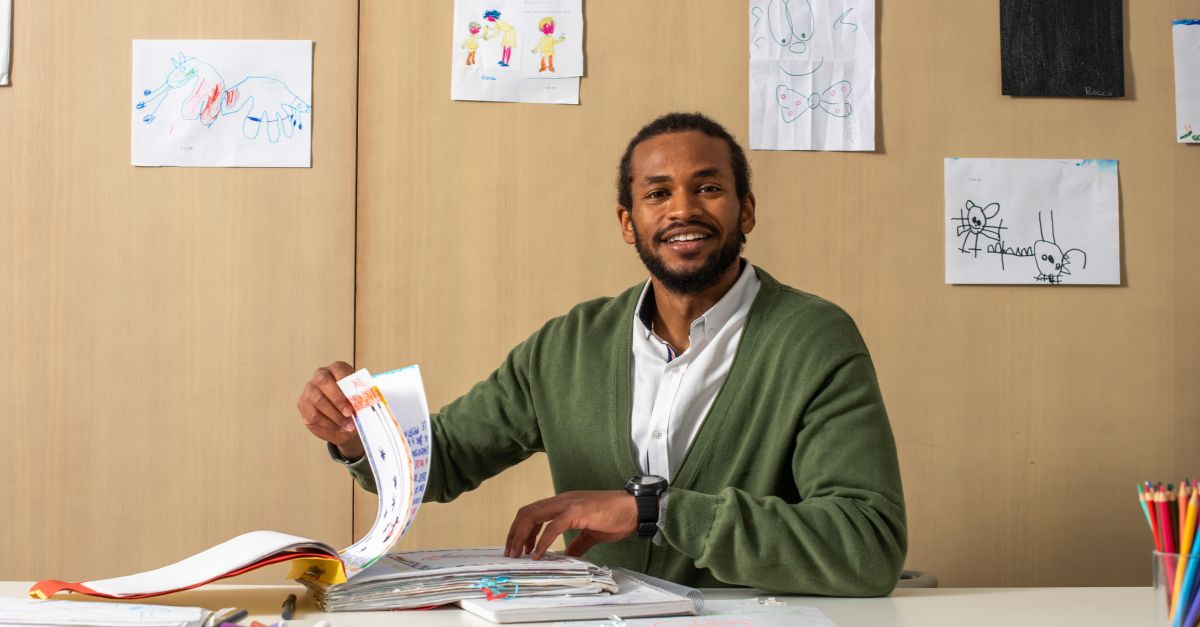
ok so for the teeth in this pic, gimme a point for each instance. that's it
(687, 237)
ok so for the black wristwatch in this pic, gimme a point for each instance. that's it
(646, 490)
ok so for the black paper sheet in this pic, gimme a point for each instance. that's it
(1062, 48)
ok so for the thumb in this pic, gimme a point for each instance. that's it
(582, 542)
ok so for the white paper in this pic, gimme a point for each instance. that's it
(5, 39)
(1187, 80)
(1032, 221)
(517, 51)
(205, 566)
(34, 612)
(392, 417)
(812, 74)
(221, 103)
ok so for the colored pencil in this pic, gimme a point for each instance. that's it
(1164, 519)
(1149, 503)
(1187, 537)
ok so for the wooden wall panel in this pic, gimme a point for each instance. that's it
(1024, 415)
(158, 322)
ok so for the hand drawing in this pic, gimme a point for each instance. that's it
(471, 43)
(973, 224)
(834, 100)
(268, 100)
(1189, 134)
(1052, 260)
(545, 45)
(506, 31)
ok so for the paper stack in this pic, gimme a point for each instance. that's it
(436, 577)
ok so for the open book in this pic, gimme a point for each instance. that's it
(436, 577)
(392, 418)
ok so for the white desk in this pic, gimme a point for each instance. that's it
(928, 607)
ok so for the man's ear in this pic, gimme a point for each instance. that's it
(748, 219)
(625, 217)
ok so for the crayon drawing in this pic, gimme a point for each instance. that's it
(1059, 224)
(517, 51)
(187, 112)
(812, 74)
(266, 101)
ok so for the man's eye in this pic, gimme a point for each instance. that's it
(709, 189)
(656, 193)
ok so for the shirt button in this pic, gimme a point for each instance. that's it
(657, 435)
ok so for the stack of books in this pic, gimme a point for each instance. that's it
(437, 577)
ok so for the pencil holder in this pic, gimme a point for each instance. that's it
(1175, 589)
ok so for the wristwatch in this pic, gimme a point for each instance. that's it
(645, 490)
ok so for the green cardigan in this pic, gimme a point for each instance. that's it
(791, 485)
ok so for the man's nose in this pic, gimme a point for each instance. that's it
(684, 206)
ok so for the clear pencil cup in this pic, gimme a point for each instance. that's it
(1175, 590)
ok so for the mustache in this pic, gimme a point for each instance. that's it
(672, 229)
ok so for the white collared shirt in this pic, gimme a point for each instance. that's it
(673, 393)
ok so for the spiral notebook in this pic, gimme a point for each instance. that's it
(637, 595)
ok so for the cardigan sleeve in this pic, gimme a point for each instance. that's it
(847, 535)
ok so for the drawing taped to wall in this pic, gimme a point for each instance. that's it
(1185, 35)
(818, 56)
(187, 112)
(265, 100)
(549, 32)
(1033, 221)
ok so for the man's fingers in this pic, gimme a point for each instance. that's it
(581, 544)
(322, 404)
(527, 522)
(340, 370)
(556, 528)
(325, 381)
(531, 539)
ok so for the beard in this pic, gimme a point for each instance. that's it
(701, 278)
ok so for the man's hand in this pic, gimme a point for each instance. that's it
(602, 516)
(326, 411)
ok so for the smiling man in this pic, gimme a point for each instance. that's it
(710, 426)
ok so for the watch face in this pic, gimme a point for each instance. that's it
(648, 480)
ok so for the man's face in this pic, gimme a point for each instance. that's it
(686, 222)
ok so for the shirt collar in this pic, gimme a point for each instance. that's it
(711, 321)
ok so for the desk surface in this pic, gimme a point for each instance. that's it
(929, 607)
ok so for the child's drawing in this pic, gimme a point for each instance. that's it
(506, 32)
(1061, 215)
(471, 43)
(545, 45)
(807, 55)
(222, 103)
(975, 222)
(266, 101)
(1052, 261)
(548, 32)
(834, 100)
(791, 24)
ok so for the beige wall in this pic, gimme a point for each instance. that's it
(157, 322)
(162, 320)
(1024, 415)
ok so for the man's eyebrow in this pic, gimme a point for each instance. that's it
(698, 174)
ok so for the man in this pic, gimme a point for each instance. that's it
(755, 403)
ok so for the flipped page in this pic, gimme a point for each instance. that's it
(392, 417)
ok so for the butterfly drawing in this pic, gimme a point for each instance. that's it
(834, 100)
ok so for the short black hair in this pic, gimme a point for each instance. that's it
(678, 123)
